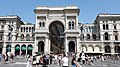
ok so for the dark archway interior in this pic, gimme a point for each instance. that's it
(107, 49)
(41, 46)
(1, 48)
(29, 49)
(8, 48)
(56, 30)
(17, 51)
(71, 46)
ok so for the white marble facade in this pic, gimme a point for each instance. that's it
(57, 29)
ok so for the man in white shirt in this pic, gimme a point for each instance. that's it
(65, 61)
(83, 59)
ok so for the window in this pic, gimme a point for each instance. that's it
(41, 24)
(103, 26)
(22, 36)
(88, 36)
(71, 25)
(21, 29)
(1, 37)
(106, 36)
(94, 37)
(27, 29)
(114, 21)
(116, 37)
(9, 36)
(115, 27)
(107, 26)
(24, 29)
(27, 37)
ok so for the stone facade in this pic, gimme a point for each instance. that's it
(57, 29)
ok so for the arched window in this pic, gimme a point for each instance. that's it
(103, 26)
(26, 29)
(21, 29)
(88, 36)
(107, 26)
(115, 27)
(29, 29)
(43, 24)
(116, 37)
(107, 49)
(40, 24)
(117, 49)
(106, 36)
(27, 37)
(94, 37)
(22, 36)
(82, 37)
(1, 36)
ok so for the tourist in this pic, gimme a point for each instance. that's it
(11, 57)
(64, 61)
(83, 59)
(73, 62)
(28, 62)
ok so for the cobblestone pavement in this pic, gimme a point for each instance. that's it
(107, 63)
(98, 63)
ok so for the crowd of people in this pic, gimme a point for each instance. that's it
(59, 59)
(89, 59)
(7, 57)
(48, 59)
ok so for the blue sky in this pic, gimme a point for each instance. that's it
(89, 9)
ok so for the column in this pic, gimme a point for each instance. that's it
(47, 45)
(35, 46)
(12, 48)
(66, 45)
(112, 48)
(77, 47)
(4, 43)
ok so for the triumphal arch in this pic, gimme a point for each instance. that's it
(56, 29)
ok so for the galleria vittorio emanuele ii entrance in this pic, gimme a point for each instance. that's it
(56, 36)
(56, 30)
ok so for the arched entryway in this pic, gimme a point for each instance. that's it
(17, 49)
(23, 49)
(1, 46)
(71, 46)
(56, 36)
(29, 49)
(117, 49)
(41, 46)
(107, 49)
(8, 48)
